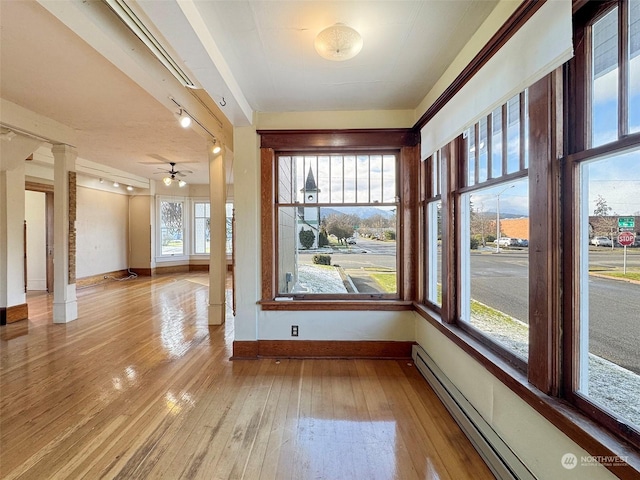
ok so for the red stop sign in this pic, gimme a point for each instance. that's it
(626, 238)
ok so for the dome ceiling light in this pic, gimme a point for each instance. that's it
(338, 42)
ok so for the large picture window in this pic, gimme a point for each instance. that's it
(609, 363)
(337, 224)
(172, 228)
(339, 215)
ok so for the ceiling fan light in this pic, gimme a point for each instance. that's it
(167, 181)
(338, 42)
(181, 183)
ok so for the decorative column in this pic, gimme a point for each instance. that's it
(217, 229)
(65, 305)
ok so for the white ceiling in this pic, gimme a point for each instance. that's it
(251, 56)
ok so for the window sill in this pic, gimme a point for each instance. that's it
(378, 305)
(594, 438)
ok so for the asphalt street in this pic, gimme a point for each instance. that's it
(501, 282)
(613, 310)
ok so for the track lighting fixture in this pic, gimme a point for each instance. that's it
(129, 188)
(216, 148)
(185, 120)
(116, 184)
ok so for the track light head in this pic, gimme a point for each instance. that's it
(184, 119)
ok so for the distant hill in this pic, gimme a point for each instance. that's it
(362, 212)
(502, 215)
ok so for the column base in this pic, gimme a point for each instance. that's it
(65, 312)
(217, 314)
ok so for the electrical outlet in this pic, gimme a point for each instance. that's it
(294, 330)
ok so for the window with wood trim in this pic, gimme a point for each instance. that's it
(494, 229)
(602, 178)
(331, 206)
(431, 188)
(336, 226)
(614, 72)
(576, 187)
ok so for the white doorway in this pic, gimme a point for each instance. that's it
(36, 247)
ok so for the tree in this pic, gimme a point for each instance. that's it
(307, 238)
(607, 221)
(172, 216)
(602, 207)
(342, 226)
(323, 236)
(480, 223)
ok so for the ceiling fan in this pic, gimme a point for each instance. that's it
(171, 175)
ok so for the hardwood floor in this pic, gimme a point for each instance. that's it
(141, 387)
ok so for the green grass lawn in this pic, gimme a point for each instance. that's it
(628, 276)
(387, 281)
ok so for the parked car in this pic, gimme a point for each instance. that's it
(506, 241)
(351, 241)
(522, 242)
(601, 241)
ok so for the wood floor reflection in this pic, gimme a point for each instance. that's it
(140, 387)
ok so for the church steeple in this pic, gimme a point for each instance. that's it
(310, 185)
(310, 190)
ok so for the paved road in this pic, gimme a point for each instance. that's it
(501, 281)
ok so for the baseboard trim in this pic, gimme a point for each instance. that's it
(321, 349)
(15, 313)
(93, 280)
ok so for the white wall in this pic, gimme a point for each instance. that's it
(35, 215)
(251, 323)
(102, 230)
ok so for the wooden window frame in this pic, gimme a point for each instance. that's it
(403, 142)
(543, 385)
(430, 173)
(546, 383)
(579, 125)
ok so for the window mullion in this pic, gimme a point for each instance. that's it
(544, 231)
(505, 139)
(623, 71)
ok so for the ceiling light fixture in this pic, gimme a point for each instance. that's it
(171, 176)
(216, 148)
(129, 188)
(338, 42)
(169, 180)
(184, 119)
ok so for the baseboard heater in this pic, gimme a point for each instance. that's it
(496, 453)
